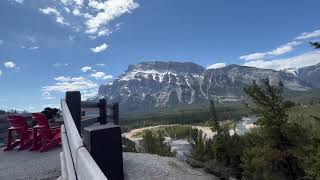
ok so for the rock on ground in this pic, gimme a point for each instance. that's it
(153, 167)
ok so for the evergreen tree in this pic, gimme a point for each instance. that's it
(128, 145)
(272, 157)
(198, 145)
(213, 118)
(316, 45)
(153, 143)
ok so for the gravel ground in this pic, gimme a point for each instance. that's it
(153, 167)
(29, 165)
(18, 165)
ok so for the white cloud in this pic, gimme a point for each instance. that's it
(108, 11)
(30, 48)
(100, 64)
(85, 94)
(253, 56)
(18, 1)
(58, 64)
(104, 32)
(67, 10)
(216, 66)
(307, 59)
(56, 13)
(275, 52)
(100, 48)
(76, 12)
(92, 17)
(101, 75)
(65, 78)
(86, 68)
(47, 95)
(1, 73)
(73, 84)
(9, 65)
(70, 2)
(33, 48)
(284, 48)
(309, 35)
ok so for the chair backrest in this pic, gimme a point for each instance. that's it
(18, 121)
(41, 119)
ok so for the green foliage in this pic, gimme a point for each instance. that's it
(284, 145)
(279, 138)
(176, 131)
(219, 155)
(153, 143)
(198, 145)
(128, 145)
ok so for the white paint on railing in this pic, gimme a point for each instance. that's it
(76, 161)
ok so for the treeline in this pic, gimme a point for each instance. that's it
(280, 147)
(181, 116)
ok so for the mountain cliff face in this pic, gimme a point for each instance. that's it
(310, 75)
(158, 84)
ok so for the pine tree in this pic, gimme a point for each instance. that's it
(276, 159)
(213, 119)
(153, 143)
(316, 45)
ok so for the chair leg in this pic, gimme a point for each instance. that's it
(22, 140)
(9, 141)
(10, 145)
(35, 141)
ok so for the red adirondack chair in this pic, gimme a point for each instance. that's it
(44, 136)
(20, 126)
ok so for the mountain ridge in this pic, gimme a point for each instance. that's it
(166, 84)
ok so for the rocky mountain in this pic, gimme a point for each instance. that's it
(164, 84)
(310, 75)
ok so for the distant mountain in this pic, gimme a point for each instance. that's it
(310, 75)
(167, 84)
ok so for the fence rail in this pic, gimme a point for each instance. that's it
(76, 161)
(96, 155)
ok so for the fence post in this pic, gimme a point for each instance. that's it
(105, 146)
(73, 100)
(115, 113)
(103, 111)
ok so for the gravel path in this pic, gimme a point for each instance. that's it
(153, 167)
(18, 165)
(29, 165)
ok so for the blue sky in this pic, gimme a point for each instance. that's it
(50, 46)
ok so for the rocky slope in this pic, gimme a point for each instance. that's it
(165, 84)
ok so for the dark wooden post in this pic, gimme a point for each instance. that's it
(103, 111)
(105, 146)
(115, 113)
(73, 100)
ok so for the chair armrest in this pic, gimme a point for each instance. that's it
(38, 127)
(15, 128)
